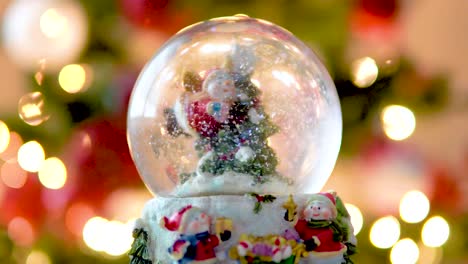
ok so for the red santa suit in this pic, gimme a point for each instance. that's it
(200, 120)
(324, 235)
(200, 249)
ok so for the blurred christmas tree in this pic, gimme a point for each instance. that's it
(77, 62)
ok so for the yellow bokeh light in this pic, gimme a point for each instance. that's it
(119, 238)
(4, 136)
(414, 207)
(398, 122)
(356, 217)
(364, 72)
(385, 232)
(435, 232)
(31, 156)
(405, 251)
(12, 174)
(53, 173)
(111, 237)
(38, 257)
(94, 233)
(52, 23)
(72, 78)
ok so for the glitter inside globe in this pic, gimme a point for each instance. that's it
(234, 105)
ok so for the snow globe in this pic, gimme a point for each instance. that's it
(235, 126)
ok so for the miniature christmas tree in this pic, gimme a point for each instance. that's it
(224, 112)
(241, 145)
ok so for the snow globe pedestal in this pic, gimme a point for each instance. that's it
(235, 127)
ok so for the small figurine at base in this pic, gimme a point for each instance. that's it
(324, 227)
(195, 243)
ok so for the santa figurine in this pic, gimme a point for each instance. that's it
(203, 110)
(319, 228)
(195, 243)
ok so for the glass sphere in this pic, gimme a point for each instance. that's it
(234, 105)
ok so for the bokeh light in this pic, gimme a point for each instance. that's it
(385, 232)
(11, 151)
(126, 203)
(364, 72)
(53, 173)
(4, 136)
(414, 207)
(53, 24)
(111, 237)
(435, 232)
(38, 257)
(72, 78)
(405, 251)
(119, 238)
(398, 122)
(31, 156)
(429, 255)
(76, 217)
(357, 219)
(12, 174)
(94, 233)
(21, 231)
(31, 109)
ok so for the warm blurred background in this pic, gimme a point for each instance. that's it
(69, 191)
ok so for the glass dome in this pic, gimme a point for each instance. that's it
(234, 105)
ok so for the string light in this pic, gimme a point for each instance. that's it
(31, 156)
(53, 173)
(414, 207)
(435, 232)
(364, 72)
(385, 232)
(72, 78)
(356, 217)
(398, 122)
(404, 251)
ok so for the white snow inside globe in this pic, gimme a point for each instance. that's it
(234, 105)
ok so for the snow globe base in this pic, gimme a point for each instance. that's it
(250, 228)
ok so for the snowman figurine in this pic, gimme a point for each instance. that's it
(320, 230)
(195, 243)
(205, 112)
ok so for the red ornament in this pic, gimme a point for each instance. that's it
(154, 14)
(98, 161)
(374, 22)
(25, 202)
(380, 8)
(446, 194)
